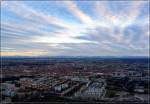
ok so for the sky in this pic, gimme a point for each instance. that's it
(75, 28)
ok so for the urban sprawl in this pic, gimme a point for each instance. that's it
(75, 79)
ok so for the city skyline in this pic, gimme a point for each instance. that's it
(75, 28)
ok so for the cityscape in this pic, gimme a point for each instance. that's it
(75, 79)
(75, 51)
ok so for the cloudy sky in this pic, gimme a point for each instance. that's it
(74, 28)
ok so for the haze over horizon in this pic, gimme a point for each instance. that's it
(75, 28)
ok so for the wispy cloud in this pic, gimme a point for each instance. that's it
(72, 7)
(113, 31)
(32, 15)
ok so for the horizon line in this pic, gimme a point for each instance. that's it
(70, 56)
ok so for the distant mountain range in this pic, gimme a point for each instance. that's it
(103, 57)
